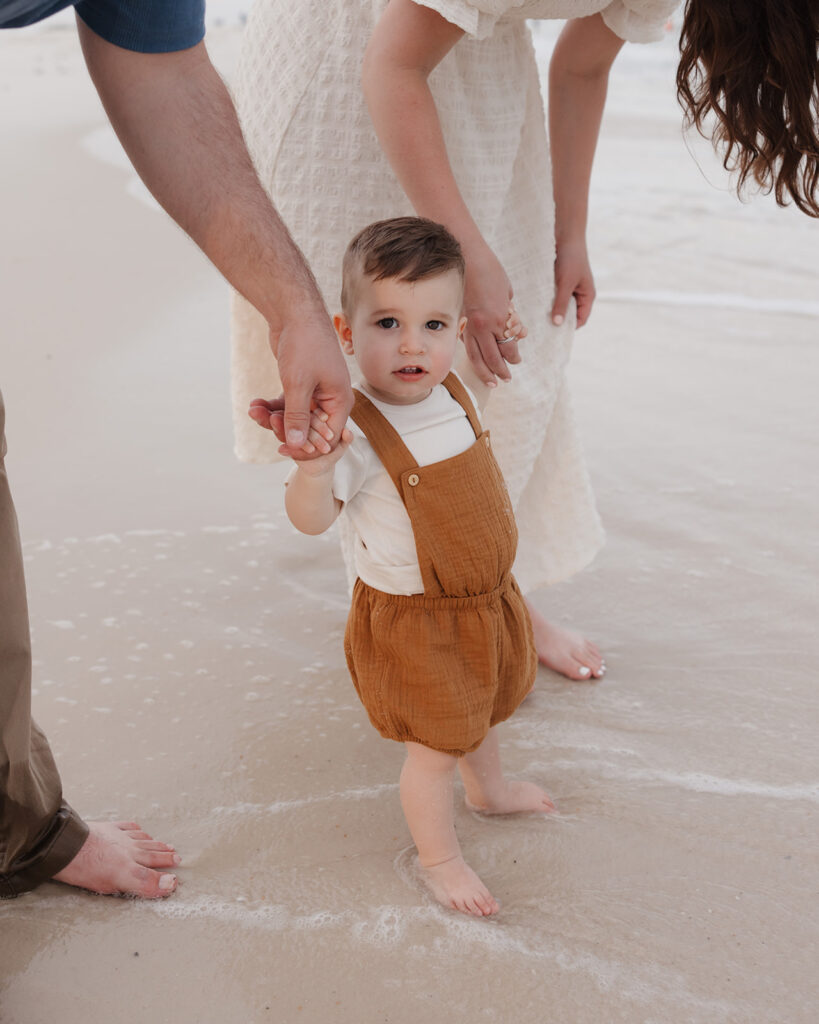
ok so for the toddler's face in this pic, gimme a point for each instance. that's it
(404, 334)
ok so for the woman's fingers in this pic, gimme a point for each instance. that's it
(585, 300)
(509, 349)
(475, 355)
(561, 304)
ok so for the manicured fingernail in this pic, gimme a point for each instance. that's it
(295, 438)
(491, 383)
(557, 319)
(177, 859)
(167, 882)
(585, 672)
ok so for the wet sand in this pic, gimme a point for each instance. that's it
(188, 643)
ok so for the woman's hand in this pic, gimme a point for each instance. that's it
(573, 276)
(491, 318)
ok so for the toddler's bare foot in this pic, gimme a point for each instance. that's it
(118, 857)
(515, 798)
(456, 886)
(565, 651)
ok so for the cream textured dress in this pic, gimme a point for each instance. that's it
(299, 97)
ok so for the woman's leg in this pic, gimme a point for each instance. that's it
(427, 799)
(490, 792)
(563, 650)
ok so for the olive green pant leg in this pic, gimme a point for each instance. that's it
(39, 832)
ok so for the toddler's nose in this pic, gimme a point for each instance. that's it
(411, 342)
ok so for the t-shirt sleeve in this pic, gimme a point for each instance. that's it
(639, 21)
(146, 26)
(351, 469)
(476, 17)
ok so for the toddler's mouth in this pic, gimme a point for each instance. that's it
(410, 371)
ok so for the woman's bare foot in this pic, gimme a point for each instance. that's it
(565, 651)
(515, 798)
(119, 858)
(455, 885)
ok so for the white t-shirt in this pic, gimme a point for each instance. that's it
(434, 429)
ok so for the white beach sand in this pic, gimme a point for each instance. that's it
(189, 668)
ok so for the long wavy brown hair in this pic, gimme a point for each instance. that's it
(754, 65)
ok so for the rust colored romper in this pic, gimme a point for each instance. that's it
(440, 668)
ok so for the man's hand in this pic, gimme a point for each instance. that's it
(315, 379)
(177, 123)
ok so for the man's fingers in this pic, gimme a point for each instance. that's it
(268, 413)
(260, 414)
(298, 404)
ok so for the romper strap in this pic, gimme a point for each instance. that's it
(455, 387)
(386, 442)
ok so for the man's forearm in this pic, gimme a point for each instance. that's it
(178, 125)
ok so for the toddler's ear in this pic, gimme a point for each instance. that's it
(461, 328)
(344, 332)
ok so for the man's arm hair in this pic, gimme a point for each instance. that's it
(177, 123)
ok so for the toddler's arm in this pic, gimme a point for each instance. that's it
(309, 500)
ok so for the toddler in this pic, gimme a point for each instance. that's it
(438, 640)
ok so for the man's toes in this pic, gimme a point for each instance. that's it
(151, 885)
(128, 826)
(157, 858)
(137, 833)
(154, 844)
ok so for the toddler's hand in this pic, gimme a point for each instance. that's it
(514, 330)
(319, 457)
(270, 415)
(319, 435)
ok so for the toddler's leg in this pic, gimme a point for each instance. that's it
(488, 791)
(427, 799)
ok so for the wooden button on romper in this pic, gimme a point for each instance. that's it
(440, 668)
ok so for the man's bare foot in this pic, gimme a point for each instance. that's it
(515, 798)
(565, 651)
(119, 858)
(456, 886)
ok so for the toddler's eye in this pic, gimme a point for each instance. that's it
(387, 322)
(435, 325)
